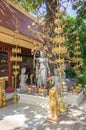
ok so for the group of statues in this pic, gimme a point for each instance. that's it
(42, 72)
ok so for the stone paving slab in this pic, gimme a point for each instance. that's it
(24, 115)
(73, 119)
(7, 125)
(31, 117)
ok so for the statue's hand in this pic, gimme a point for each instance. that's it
(48, 73)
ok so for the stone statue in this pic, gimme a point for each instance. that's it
(43, 70)
(23, 78)
(63, 72)
(56, 79)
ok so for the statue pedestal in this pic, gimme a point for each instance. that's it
(33, 100)
(71, 99)
(9, 95)
(52, 120)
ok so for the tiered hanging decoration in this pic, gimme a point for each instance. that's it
(77, 59)
(77, 55)
(16, 59)
(59, 49)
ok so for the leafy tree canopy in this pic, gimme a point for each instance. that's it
(78, 23)
(32, 5)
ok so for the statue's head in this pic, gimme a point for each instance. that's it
(53, 92)
(42, 54)
(23, 70)
(56, 73)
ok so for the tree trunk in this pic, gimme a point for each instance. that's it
(49, 27)
(50, 15)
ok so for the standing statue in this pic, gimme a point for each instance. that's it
(43, 70)
(63, 72)
(56, 79)
(23, 78)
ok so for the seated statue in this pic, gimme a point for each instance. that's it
(23, 78)
(53, 105)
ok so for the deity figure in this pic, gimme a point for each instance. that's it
(56, 79)
(63, 72)
(43, 70)
(23, 78)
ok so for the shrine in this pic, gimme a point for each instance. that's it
(18, 43)
(36, 57)
(11, 16)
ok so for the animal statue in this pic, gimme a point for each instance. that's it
(53, 105)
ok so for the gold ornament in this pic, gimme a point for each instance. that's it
(15, 98)
(62, 106)
(53, 105)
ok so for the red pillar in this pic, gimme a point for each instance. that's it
(10, 87)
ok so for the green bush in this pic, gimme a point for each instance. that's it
(82, 79)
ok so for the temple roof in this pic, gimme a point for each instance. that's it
(8, 15)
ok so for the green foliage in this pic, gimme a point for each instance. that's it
(82, 79)
(70, 28)
(29, 5)
(81, 25)
(82, 36)
(78, 23)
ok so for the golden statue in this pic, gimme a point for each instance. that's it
(53, 105)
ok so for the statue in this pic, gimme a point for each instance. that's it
(63, 72)
(53, 105)
(56, 79)
(43, 70)
(23, 78)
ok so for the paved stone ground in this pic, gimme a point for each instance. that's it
(24, 117)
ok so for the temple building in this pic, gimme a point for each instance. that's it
(15, 19)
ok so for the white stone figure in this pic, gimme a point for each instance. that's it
(23, 78)
(63, 76)
(44, 70)
(37, 71)
(63, 72)
(56, 79)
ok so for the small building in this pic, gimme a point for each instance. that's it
(15, 19)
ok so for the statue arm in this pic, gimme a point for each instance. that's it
(35, 55)
(48, 67)
(53, 80)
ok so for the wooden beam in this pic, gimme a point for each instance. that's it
(7, 36)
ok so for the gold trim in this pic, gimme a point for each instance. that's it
(7, 36)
